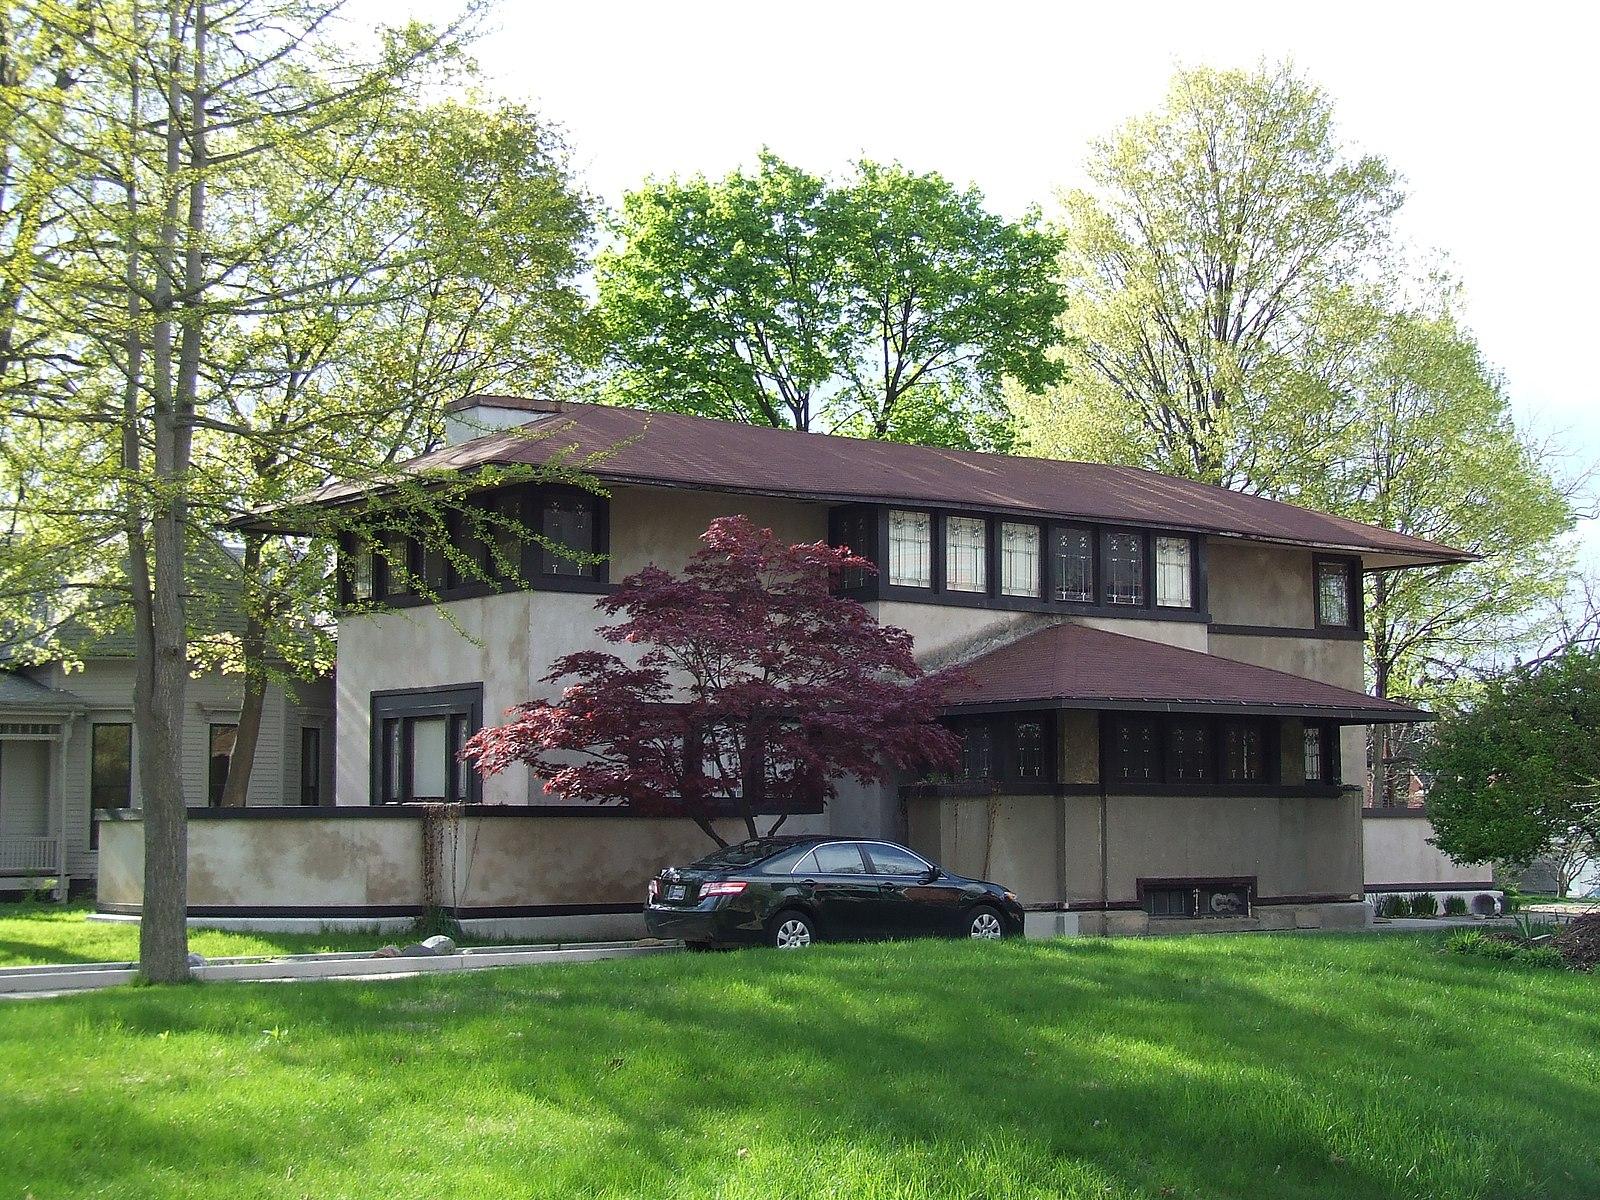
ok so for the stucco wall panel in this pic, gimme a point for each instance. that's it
(1398, 850)
(1254, 584)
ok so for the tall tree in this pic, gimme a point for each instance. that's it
(145, 190)
(1428, 447)
(1213, 226)
(755, 687)
(886, 305)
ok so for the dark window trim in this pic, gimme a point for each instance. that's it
(1357, 624)
(878, 587)
(531, 564)
(447, 700)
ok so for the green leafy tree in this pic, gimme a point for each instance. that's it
(188, 204)
(887, 305)
(1516, 774)
(1193, 266)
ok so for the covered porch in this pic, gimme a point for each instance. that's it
(35, 724)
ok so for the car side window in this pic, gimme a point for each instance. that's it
(840, 858)
(893, 860)
(787, 863)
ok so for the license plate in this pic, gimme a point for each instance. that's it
(675, 892)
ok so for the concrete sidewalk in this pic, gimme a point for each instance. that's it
(61, 979)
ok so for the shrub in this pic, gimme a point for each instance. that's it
(1501, 948)
(1455, 906)
(1393, 905)
(1424, 904)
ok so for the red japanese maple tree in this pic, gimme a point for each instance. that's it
(756, 689)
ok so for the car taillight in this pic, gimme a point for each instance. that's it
(731, 888)
(655, 889)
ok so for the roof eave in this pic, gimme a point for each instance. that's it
(1347, 714)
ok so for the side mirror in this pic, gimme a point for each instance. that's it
(931, 874)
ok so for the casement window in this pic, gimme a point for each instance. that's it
(1336, 593)
(418, 738)
(966, 554)
(977, 750)
(1074, 565)
(221, 740)
(363, 576)
(110, 770)
(1123, 556)
(1191, 754)
(396, 556)
(853, 532)
(1029, 749)
(910, 549)
(310, 765)
(1135, 755)
(1244, 751)
(1020, 558)
(1321, 752)
(1174, 572)
(567, 522)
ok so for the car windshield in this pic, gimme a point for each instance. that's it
(742, 855)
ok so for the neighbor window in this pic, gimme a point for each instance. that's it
(1335, 598)
(419, 737)
(1174, 573)
(966, 554)
(1244, 750)
(1019, 559)
(1124, 568)
(110, 770)
(568, 523)
(310, 765)
(910, 549)
(221, 739)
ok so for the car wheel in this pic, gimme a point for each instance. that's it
(791, 931)
(984, 922)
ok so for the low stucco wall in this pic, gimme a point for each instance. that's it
(1400, 854)
(1049, 848)
(507, 861)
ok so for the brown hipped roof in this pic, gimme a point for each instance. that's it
(673, 450)
(1078, 666)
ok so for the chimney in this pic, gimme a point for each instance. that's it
(478, 415)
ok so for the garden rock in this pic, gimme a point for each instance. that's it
(386, 952)
(416, 950)
(196, 960)
(439, 944)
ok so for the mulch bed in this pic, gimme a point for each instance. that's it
(1579, 942)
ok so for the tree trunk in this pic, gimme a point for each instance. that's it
(161, 680)
(254, 645)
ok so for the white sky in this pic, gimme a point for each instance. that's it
(1488, 112)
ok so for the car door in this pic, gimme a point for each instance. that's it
(910, 904)
(835, 879)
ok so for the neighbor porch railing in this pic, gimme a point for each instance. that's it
(27, 855)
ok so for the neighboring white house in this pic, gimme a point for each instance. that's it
(68, 748)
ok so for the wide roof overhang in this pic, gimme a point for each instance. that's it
(1067, 665)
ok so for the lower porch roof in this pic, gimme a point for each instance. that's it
(1078, 666)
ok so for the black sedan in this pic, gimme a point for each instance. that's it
(792, 891)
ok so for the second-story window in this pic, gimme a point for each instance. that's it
(1335, 593)
(1019, 559)
(910, 549)
(977, 751)
(1124, 568)
(568, 523)
(1074, 565)
(363, 580)
(966, 556)
(1174, 573)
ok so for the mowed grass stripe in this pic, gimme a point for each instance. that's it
(1311, 1066)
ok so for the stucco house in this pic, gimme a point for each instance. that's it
(1163, 720)
(68, 751)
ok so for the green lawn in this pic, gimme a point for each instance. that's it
(1257, 1066)
(53, 933)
